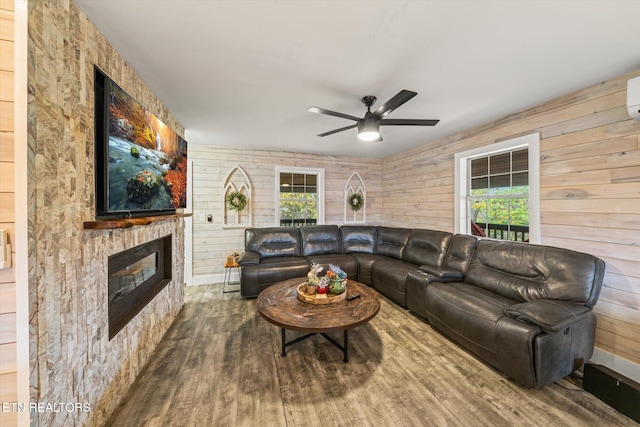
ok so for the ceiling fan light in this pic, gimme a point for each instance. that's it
(368, 129)
(370, 135)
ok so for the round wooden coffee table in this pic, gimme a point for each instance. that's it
(279, 304)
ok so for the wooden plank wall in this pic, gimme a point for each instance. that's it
(590, 192)
(8, 363)
(211, 165)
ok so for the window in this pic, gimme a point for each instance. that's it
(498, 190)
(300, 196)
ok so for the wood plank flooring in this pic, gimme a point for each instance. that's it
(220, 365)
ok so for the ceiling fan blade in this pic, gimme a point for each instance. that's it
(331, 132)
(408, 122)
(399, 99)
(332, 113)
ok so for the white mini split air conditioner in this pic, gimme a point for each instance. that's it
(633, 98)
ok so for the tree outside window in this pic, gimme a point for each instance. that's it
(298, 198)
(498, 197)
(497, 190)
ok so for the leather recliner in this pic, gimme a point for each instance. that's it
(413, 249)
(453, 269)
(271, 255)
(524, 309)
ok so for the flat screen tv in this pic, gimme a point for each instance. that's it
(141, 164)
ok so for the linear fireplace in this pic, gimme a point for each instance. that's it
(136, 276)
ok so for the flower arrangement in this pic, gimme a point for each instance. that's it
(236, 201)
(356, 201)
(334, 281)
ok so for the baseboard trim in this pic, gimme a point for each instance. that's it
(209, 279)
(206, 279)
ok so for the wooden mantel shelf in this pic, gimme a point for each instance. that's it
(105, 224)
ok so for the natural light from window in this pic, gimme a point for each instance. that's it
(300, 196)
(497, 190)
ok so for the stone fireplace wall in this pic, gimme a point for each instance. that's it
(72, 359)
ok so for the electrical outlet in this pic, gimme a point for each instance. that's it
(201, 217)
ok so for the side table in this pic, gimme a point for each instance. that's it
(228, 266)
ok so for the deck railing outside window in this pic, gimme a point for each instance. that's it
(515, 233)
(297, 222)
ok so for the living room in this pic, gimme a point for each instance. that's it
(58, 349)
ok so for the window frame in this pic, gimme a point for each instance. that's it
(318, 172)
(462, 172)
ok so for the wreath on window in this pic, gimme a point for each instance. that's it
(236, 201)
(356, 201)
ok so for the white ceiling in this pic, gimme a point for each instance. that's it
(244, 73)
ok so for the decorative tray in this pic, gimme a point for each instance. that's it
(318, 298)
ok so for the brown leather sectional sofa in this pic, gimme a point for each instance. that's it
(525, 309)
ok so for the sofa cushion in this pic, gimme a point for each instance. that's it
(459, 252)
(274, 241)
(358, 238)
(389, 277)
(321, 239)
(456, 260)
(255, 278)
(365, 263)
(282, 268)
(525, 272)
(469, 314)
(426, 247)
(391, 241)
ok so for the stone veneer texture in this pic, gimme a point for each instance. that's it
(72, 359)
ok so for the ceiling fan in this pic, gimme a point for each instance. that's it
(369, 125)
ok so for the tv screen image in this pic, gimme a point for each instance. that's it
(141, 162)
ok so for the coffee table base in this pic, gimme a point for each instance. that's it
(344, 348)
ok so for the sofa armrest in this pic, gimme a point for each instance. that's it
(422, 277)
(249, 258)
(549, 315)
(443, 275)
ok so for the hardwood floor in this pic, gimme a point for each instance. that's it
(220, 365)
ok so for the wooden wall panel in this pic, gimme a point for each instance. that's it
(8, 359)
(6, 23)
(8, 331)
(6, 145)
(8, 382)
(7, 328)
(212, 241)
(6, 55)
(590, 191)
(6, 85)
(7, 298)
(6, 116)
